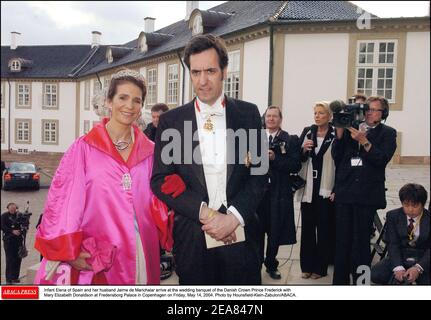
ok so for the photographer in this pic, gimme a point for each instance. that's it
(12, 241)
(276, 211)
(408, 237)
(361, 155)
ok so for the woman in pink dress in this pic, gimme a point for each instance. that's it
(97, 226)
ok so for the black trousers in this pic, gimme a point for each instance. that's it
(353, 223)
(235, 264)
(317, 228)
(264, 214)
(13, 261)
(382, 272)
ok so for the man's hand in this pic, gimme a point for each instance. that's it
(221, 226)
(339, 132)
(399, 275)
(412, 274)
(357, 135)
(16, 232)
(271, 155)
(80, 263)
(332, 197)
(230, 238)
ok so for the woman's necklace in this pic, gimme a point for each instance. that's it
(120, 144)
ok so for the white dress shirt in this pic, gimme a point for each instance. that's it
(212, 146)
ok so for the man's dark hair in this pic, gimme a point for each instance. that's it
(159, 107)
(201, 43)
(414, 193)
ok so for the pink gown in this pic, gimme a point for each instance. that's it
(91, 195)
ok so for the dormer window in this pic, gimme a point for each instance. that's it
(142, 43)
(197, 25)
(109, 56)
(15, 65)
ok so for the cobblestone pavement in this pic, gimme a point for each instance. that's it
(397, 176)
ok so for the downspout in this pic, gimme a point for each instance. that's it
(98, 79)
(184, 78)
(271, 62)
(8, 120)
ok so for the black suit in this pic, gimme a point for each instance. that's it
(359, 192)
(11, 244)
(233, 264)
(399, 249)
(276, 211)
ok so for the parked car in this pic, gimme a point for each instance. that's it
(21, 174)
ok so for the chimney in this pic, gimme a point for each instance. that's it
(149, 24)
(96, 38)
(14, 39)
(190, 6)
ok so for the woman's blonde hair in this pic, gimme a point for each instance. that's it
(324, 105)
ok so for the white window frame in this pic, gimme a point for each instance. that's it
(152, 86)
(15, 65)
(173, 80)
(372, 63)
(232, 83)
(23, 95)
(52, 131)
(49, 95)
(197, 27)
(20, 128)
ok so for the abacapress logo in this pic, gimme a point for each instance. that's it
(20, 292)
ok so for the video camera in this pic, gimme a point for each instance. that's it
(23, 219)
(350, 115)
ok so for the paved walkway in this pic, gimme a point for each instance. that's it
(397, 176)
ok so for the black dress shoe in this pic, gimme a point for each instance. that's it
(274, 274)
(16, 281)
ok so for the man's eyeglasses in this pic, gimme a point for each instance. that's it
(375, 110)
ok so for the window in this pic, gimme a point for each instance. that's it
(197, 25)
(49, 131)
(376, 68)
(87, 95)
(232, 82)
(23, 95)
(50, 95)
(86, 126)
(23, 131)
(151, 86)
(142, 40)
(15, 65)
(2, 130)
(173, 84)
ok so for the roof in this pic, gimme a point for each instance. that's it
(47, 61)
(321, 10)
(81, 60)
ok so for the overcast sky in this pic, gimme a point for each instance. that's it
(70, 22)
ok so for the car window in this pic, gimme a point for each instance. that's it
(22, 167)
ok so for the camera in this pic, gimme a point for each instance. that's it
(350, 115)
(23, 220)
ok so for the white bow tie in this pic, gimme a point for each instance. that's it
(206, 111)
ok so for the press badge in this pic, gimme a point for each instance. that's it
(356, 162)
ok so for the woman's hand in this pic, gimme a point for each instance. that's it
(307, 146)
(80, 263)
